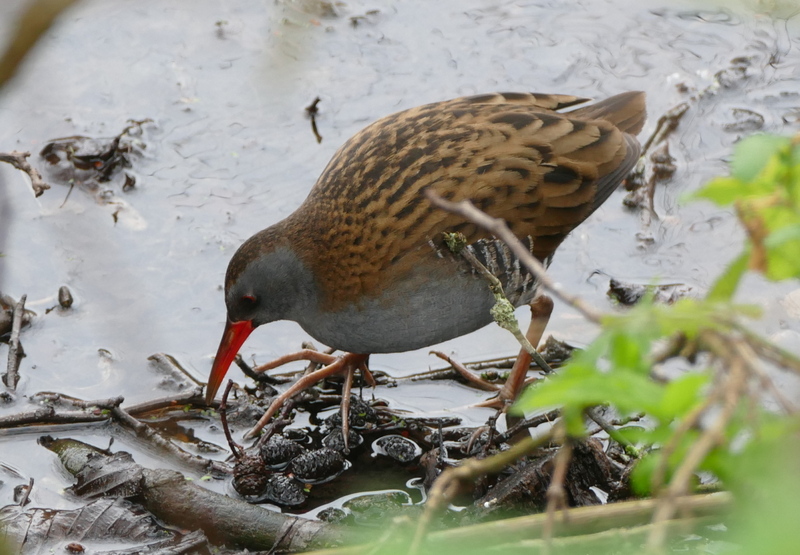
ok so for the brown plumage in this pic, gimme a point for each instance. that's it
(360, 264)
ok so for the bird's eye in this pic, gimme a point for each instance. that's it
(248, 301)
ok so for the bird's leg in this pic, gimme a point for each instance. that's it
(345, 406)
(339, 364)
(350, 370)
(541, 308)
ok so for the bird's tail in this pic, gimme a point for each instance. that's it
(626, 111)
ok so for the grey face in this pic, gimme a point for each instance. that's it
(243, 304)
(273, 286)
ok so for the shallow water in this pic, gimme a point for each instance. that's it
(230, 151)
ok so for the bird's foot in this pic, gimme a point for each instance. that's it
(347, 363)
(516, 382)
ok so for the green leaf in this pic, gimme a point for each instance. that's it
(628, 352)
(642, 475)
(723, 190)
(788, 233)
(752, 154)
(683, 394)
(785, 263)
(783, 252)
(626, 390)
(726, 284)
(573, 418)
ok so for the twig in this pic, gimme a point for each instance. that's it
(92, 411)
(20, 161)
(666, 125)
(527, 423)
(503, 314)
(500, 230)
(556, 495)
(504, 362)
(145, 432)
(26, 495)
(503, 310)
(53, 398)
(49, 417)
(769, 350)
(584, 523)
(732, 390)
(223, 418)
(312, 112)
(264, 379)
(168, 364)
(15, 351)
(35, 417)
(32, 24)
(612, 432)
(194, 397)
(748, 355)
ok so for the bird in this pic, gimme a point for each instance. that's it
(362, 264)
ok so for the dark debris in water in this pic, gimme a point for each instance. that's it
(284, 491)
(744, 120)
(7, 305)
(318, 466)
(279, 451)
(361, 416)
(397, 447)
(631, 293)
(555, 351)
(387, 449)
(335, 440)
(250, 475)
(374, 509)
(523, 487)
(91, 163)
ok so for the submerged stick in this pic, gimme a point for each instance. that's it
(15, 350)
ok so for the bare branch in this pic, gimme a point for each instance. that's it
(32, 24)
(145, 432)
(556, 494)
(20, 161)
(732, 390)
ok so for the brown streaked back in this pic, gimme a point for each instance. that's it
(511, 154)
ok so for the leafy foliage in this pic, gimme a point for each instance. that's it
(764, 188)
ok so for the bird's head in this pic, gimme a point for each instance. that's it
(265, 282)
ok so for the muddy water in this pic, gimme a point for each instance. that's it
(230, 151)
